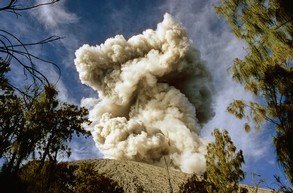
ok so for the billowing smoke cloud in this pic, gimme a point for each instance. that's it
(154, 96)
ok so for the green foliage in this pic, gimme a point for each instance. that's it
(39, 124)
(54, 124)
(258, 113)
(51, 178)
(223, 168)
(11, 121)
(25, 125)
(4, 85)
(194, 185)
(223, 164)
(65, 178)
(32, 119)
(266, 71)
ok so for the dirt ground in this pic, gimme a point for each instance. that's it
(136, 177)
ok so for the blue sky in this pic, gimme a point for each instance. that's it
(93, 21)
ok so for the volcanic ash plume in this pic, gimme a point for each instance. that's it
(154, 95)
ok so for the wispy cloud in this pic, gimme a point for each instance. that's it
(54, 15)
(57, 19)
(82, 148)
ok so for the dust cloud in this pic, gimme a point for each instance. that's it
(154, 96)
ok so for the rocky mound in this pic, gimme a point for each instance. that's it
(137, 177)
(106, 176)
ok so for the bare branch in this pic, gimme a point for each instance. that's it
(7, 7)
(12, 7)
(15, 50)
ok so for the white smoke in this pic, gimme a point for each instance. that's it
(154, 96)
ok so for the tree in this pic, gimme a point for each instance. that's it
(223, 165)
(67, 178)
(11, 113)
(266, 71)
(32, 120)
(223, 168)
(194, 184)
(40, 125)
(52, 178)
(57, 122)
(13, 104)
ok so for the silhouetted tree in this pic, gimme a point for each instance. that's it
(56, 122)
(11, 115)
(194, 184)
(67, 178)
(40, 125)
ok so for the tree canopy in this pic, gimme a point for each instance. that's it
(223, 168)
(39, 127)
(34, 124)
(267, 28)
(224, 163)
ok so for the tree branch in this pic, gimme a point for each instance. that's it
(14, 49)
(12, 7)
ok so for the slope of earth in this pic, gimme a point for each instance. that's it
(136, 177)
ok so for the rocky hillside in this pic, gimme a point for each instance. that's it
(104, 175)
(136, 177)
